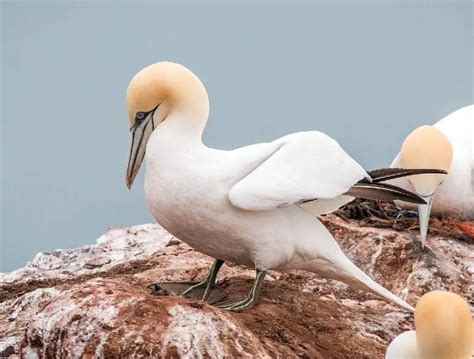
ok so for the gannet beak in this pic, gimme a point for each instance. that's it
(424, 211)
(140, 132)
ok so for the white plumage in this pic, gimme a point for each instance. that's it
(306, 166)
(244, 205)
(403, 346)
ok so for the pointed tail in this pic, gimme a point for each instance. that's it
(364, 281)
(325, 258)
(346, 271)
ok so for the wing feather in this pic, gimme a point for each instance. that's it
(307, 165)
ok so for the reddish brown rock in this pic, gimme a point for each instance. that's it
(93, 301)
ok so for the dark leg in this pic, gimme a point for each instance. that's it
(196, 289)
(251, 298)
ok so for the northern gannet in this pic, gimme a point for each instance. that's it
(448, 145)
(255, 205)
(444, 330)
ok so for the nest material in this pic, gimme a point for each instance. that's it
(382, 214)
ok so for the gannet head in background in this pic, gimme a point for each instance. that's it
(155, 93)
(444, 330)
(443, 324)
(426, 147)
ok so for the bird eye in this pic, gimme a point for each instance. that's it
(140, 116)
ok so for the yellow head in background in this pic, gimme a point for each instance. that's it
(444, 326)
(426, 147)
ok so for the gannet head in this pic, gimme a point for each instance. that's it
(444, 327)
(156, 93)
(426, 147)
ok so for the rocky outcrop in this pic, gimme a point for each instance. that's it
(93, 301)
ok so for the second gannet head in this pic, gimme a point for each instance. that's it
(426, 147)
(443, 323)
(444, 330)
(159, 92)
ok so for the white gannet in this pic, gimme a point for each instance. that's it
(448, 145)
(251, 205)
(444, 330)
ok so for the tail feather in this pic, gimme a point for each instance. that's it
(347, 272)
(383, 191)
(386, 174)
(325, 258)
(369, 284)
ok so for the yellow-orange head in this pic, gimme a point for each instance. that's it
(444, 328)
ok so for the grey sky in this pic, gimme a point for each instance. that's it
(366, 73)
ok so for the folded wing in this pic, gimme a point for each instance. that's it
(307, 166)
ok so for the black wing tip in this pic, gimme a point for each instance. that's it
(416, 170)
(386, 174)
(408, 195)
(389, 192)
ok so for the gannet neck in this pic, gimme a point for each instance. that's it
(188, 110)
(178, 131)
(443, 324)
